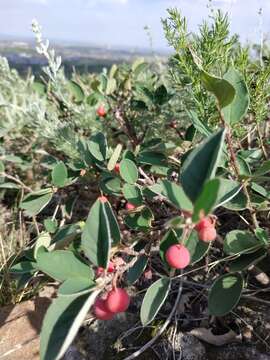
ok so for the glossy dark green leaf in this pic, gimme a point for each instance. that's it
(132, 194)
(62, 265)
(240, 241)
(170, 238)
(97, 146)
(221, 88)
(243, 262)
(207, 200)
(36, 201)
(129, 171)
(225, 294)
(237, 109)
(76, 286)
(23, 267)
(197, 248)
(176, 195)
(96, 236)
(137, 269)
(153, 300)
(62, 321)
(201, 164)
(141, 220)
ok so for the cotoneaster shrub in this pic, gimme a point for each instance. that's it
(148, 190)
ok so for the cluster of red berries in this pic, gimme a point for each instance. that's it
(178, 256)
(206, 230)
(117, 301)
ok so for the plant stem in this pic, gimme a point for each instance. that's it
(234, 165)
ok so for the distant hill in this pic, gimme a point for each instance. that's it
(22, 55)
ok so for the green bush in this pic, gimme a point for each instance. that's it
(133, 160)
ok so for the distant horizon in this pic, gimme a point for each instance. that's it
(120, 23)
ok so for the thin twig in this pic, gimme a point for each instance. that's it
(162, 329)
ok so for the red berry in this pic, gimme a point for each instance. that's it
(130, 206)
(117, 300)
(103, 199)
(208, 234)
(101, 311)
(178, 256)
(117, 167)
(100, 270)
(204, 223)
(111, 267)
(101, 111)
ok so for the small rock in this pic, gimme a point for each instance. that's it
(20, 327)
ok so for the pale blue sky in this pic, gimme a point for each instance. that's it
(121, 22)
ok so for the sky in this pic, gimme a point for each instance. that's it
(122, 22)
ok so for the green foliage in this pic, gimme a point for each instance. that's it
(225, 294)
(201, 164)
(154, 299)
(190, 139)
(61, 324)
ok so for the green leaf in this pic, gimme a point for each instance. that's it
(263, 169)
(50, 225)
(36, 201)
(176, 195)
(2, 166)
(225, 294)
(112, 224)
(76, 286)
(237, 203)
(62, 265)
(140, 220)
(62, 321)
(115, 156)
(170, 238)
(221, 88)
(161, 95)
(207, 199)
(262, 235)
(129, 171)
(153, 300)
(201, 164)
(240, 241)
(59, 174)
(43, 240)
(196, 247)
(111, 185)
(97, 146)
(76, 91)
(133, 194)
(152, 158)
(243, 262)
(96, 236)
(137, 269)
(64, 236)
(237, 109)
(198, 124)
(228, 190)
(23, 267)
(9, 185)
